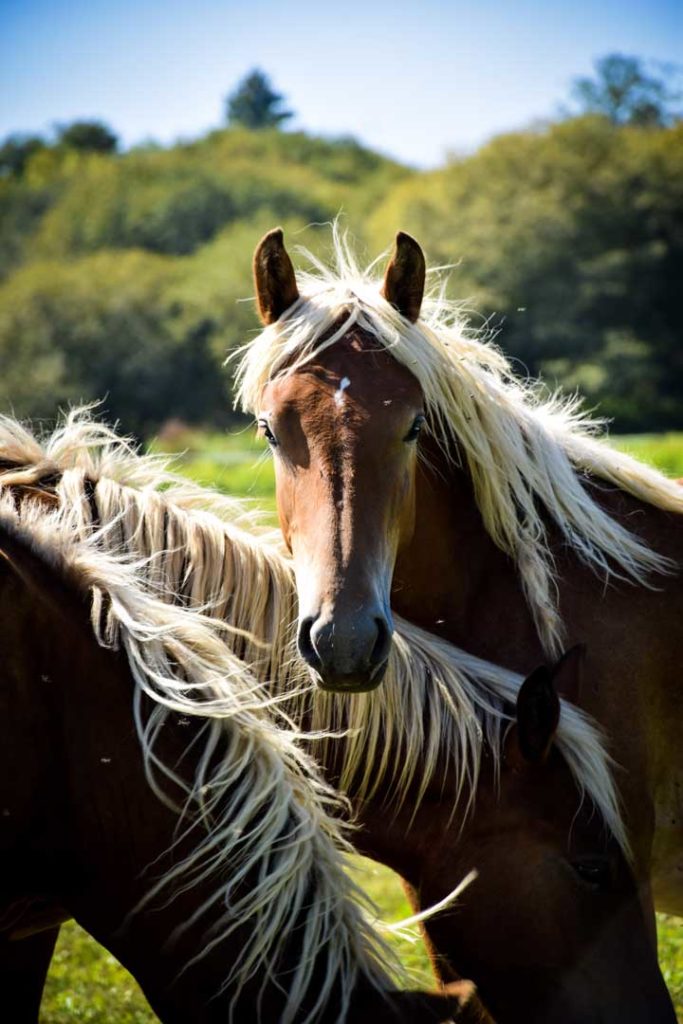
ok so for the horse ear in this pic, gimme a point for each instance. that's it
(567, 673)
(404, 280)
(538, 715)
(276, 288)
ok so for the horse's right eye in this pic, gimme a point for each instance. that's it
(268, 433)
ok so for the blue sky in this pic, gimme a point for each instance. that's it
(415, 80)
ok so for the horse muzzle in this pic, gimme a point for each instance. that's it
(348, 654)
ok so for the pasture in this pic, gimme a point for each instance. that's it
(85, 982)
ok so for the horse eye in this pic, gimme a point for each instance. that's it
(268, 433)
(414, 431)
(594, 871)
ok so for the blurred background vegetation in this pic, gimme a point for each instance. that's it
(121, 272)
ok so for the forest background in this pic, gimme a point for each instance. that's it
(122, 271)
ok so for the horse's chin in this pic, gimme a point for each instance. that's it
(356, 682)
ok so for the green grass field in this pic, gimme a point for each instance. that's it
(85, 982)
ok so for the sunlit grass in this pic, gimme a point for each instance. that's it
(87, 984)
(663, 450)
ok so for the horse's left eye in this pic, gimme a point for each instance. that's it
(417, 426)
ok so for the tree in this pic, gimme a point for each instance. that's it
(16, 151)
(572, 236)
(88, 136)
(625, 93)
(107, 327)
(254, 104)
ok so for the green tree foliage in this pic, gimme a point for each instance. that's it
(123, 272)
(21, 209)
(623, 91)
(255, 104)
(89, 136)
(107, 328)
(124, 275)
(15, 152)
(25, 201)
(18, 149)
(174, 201)
(34, 174)
(571, 240)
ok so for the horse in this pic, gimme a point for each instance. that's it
(148, 792)
(431, 759)
(415, 472)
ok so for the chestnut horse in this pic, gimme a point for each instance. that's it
(227, 900)
(438, 780)
(415, 473)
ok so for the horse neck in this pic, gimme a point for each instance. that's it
(111, 838)
(31, 769)
(452, 580)
(71, 759)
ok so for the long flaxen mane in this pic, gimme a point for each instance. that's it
(529, 456)
(201, 548)
(258, 815)
(436, 708)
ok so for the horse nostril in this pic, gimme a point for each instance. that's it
(348, 653)
(305, 642)
(380, 651)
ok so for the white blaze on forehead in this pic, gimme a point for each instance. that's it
(339, 393)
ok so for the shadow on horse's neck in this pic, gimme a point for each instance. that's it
(452, 579)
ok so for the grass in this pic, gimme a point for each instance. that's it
(241, 464)
(662, 450)
(85, 982)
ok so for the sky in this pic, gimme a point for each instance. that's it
(418, 81)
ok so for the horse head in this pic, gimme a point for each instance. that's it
(556, 912)
(343, 425)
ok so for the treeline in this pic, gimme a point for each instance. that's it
(570, 239)
(122, 273)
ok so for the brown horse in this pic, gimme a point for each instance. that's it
(414, 472)
(227, 899)
(438, 781)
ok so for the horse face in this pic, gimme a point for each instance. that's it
(344, 430)
(344, 433)
(554, 928)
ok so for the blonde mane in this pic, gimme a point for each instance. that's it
(527, 455)
(437, 705)
(258, 813)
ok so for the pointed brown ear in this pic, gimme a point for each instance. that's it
(404, 280)
(538, 715)
(567, 673)
(276, 288)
